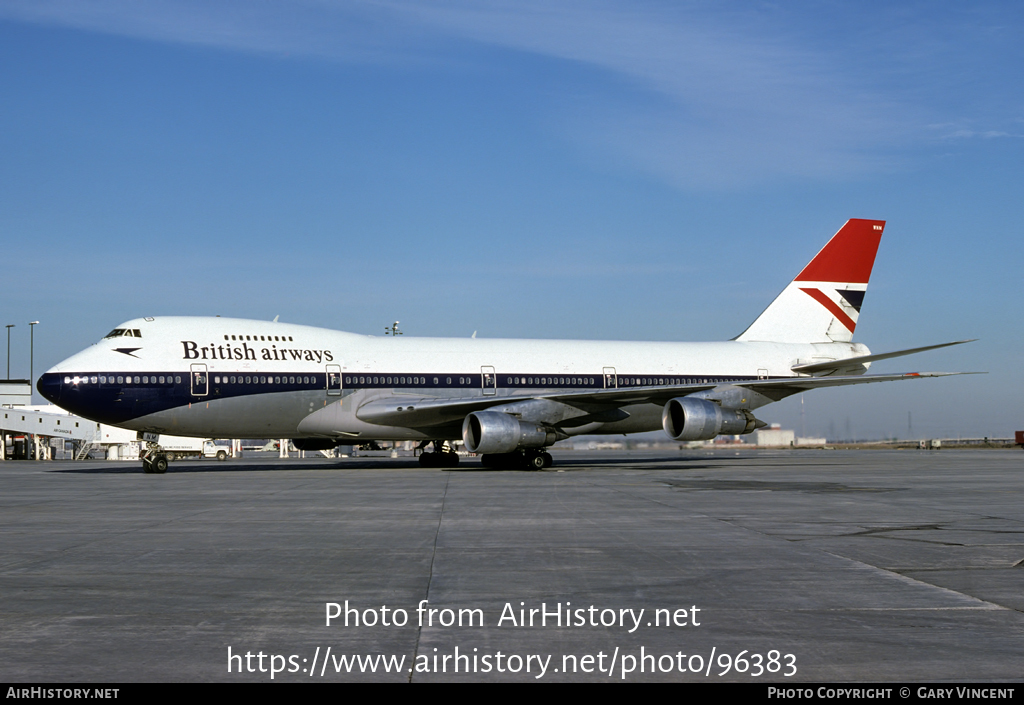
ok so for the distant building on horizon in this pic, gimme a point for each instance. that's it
(775, 436)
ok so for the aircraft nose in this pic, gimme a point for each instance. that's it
(49, 386)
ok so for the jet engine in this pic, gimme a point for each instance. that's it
(497, 432)
(689, 419)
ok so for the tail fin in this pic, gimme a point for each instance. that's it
(823, 303)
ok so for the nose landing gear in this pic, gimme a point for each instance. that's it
(154, 462)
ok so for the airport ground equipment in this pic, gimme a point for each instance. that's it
(175, 447)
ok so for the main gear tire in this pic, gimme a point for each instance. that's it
(534, 460)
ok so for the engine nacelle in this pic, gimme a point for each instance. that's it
(689, 419)
(496, 432)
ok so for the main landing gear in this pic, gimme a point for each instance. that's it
(442, 457)
(529, 459)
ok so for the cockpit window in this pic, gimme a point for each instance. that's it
(128, 332)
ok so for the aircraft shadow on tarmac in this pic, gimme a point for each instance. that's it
(472, 465)
(187, 467)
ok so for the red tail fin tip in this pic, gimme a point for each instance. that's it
(848, 256)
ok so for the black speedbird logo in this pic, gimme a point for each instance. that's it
(193, 351)
(127, 351)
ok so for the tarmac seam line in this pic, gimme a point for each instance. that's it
(430, 571)
(915, 581)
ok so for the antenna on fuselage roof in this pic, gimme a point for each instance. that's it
(392, 329)
(474, 335)
(275, 318)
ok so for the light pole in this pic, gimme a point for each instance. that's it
(31, 358)
(9, 326)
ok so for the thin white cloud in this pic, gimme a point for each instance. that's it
(715, 100)
(692, 93)
(986, 134)
(961, 130)
(350, 31)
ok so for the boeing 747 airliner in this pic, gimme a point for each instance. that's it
(506, 399)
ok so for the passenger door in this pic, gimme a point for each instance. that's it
(488, 381)
(333, 380)
(200, 380)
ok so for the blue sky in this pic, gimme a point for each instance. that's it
(640, 170)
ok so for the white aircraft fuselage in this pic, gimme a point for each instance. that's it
(268, 380)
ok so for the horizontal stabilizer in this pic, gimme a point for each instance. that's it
(801, 384)
(850, 361)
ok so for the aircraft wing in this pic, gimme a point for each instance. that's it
(431, 411)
